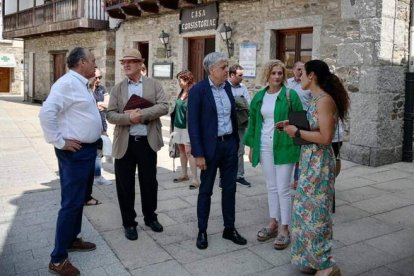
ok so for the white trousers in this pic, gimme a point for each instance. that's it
(277, 179)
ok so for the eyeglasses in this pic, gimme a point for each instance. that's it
(98, 77)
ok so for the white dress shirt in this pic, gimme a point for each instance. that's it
(304, 95)
(70, 112)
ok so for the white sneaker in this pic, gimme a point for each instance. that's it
(100, 180)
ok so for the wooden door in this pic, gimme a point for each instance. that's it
(143, 48)
(5, 80)
(195, 58)
(59, 65)
(198, 48)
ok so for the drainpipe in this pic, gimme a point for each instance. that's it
(409, 95)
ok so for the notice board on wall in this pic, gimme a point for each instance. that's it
(247, 59)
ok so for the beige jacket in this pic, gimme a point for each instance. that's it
(151, 91)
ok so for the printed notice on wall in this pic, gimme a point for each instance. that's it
(247, 59)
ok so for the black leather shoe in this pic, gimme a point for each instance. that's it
(202, 242)
(131, 233)
(234, 236)
(155, 226)
(243, 182)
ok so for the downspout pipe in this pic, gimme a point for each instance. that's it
(407, 150)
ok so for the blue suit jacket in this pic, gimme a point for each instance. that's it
(202, 119)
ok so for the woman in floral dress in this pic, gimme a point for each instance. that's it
(311, 219)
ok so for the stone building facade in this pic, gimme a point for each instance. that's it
(365, 42)
(11, 63)
(12, 49)
(40, 51)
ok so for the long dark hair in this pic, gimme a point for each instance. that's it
(331, 84)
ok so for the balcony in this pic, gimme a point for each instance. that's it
(56, 16)
(122, 8)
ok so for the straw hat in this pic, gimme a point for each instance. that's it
(131, 54)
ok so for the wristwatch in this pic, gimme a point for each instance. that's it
(297, 133)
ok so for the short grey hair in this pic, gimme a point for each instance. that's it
(212, 59)
(75, 56)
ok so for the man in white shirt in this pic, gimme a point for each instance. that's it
(242, 98)
(71, 122)
(294, 83)
(305, 96)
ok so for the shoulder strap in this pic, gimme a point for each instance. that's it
(288, 98)
(321, 95)
(337, 129)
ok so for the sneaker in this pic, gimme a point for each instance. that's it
(243, 182)
(100, 180)
(64, 268)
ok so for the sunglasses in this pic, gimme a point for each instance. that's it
(98, 78)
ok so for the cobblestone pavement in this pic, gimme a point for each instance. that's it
(373, 231)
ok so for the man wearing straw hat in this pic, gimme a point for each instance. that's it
(137, 138)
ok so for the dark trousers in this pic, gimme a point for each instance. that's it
(225, 159)
(139, 153)
(75, 170)
(88, 191)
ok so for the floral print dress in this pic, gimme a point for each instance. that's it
(311, 221)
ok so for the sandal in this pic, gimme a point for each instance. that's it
(281, 242)
(308, 270)
(194, 185)
(92, 202)
(265, 233)
(335, 271)
(181, 179)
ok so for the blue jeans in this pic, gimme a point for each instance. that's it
(225, 159)
(76, 171)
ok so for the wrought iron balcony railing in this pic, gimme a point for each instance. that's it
(55, 11)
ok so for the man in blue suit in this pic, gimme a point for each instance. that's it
(212, 127)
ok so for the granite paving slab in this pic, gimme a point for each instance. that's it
(361, 257)
(241, 262)
(382, 204)
(363, 229)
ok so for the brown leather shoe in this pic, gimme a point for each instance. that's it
(81, 246)
(65, 268)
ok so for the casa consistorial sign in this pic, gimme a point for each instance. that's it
(199, 18)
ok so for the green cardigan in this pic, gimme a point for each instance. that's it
(284, 150)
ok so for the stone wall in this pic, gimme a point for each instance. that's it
(378, 58)
(14, 47)
(102, 44)
(365, 43)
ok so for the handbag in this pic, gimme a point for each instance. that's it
(338, 162)
(173, 150)
(299, 120)
(172, 147)
(338, 165)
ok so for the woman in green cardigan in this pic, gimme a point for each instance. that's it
(274, 149)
